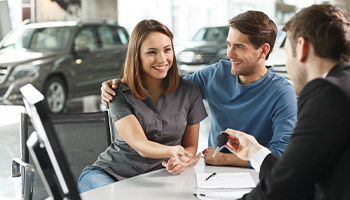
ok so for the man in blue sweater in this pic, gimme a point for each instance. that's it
(243, 93)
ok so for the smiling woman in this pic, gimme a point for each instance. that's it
(155, 112)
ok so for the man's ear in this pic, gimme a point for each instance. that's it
(265, 50)
(302, 49)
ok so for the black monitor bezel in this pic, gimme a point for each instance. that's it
(46, 150)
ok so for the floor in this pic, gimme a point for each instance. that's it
(9, 140)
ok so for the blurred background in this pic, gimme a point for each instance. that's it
(67, 48)
(183, 17)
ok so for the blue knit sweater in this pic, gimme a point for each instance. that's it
(266, 109)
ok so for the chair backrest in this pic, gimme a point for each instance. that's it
(83, 136)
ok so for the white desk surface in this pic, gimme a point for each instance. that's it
(161, 185)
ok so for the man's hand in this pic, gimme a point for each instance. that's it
(219, 158)
(222, 158)
(107, 93)
(243, 145)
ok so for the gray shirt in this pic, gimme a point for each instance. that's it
(164, 123)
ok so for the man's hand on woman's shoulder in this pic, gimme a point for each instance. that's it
(107, 92)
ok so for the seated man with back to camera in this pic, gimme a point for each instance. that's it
(243, 93)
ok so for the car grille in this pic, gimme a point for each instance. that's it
(207, 57)
(3, 73)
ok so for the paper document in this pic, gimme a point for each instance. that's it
(225, 180)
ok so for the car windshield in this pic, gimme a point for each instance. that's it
(211, 34)
(53, 39)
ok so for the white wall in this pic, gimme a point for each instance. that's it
(99, 9)
(190, 16)
(47, 10)
(130, 12)
(184, 17)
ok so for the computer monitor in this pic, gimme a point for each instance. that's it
(46, 150)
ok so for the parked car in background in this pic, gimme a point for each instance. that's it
(206, 47)
(61, 59)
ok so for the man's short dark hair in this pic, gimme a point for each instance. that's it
(258, 26)
(326, 27)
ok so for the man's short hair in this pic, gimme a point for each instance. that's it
(258, 26)
(326, 27)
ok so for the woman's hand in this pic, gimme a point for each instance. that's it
(183, 157)
(175, 168)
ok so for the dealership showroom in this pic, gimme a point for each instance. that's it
(66, 49)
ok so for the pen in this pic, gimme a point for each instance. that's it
(199, 196)
(210, 176)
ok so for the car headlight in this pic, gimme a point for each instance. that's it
(24, 71)
(189, 56)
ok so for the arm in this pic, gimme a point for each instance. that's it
(190, 138)
(196, 113)
(223, 158)
(190, 143)
(131, 131)
(284, 118)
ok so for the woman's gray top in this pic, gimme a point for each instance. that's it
(164, 123)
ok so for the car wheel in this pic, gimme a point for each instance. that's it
(55, 95)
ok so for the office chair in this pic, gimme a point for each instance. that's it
(83, 136)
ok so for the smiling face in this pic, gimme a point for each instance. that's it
(156, 55)
(245, 59)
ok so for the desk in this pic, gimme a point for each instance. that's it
(160, 184)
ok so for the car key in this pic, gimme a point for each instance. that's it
(220, 141)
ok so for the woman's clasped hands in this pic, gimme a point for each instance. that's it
(180, 160)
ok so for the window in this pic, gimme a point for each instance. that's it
(216, 34)
(86, 39)
(106, 36)
(211, 34)
(122, 36)
(199, 35)
(50, 39)
(41, 39)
